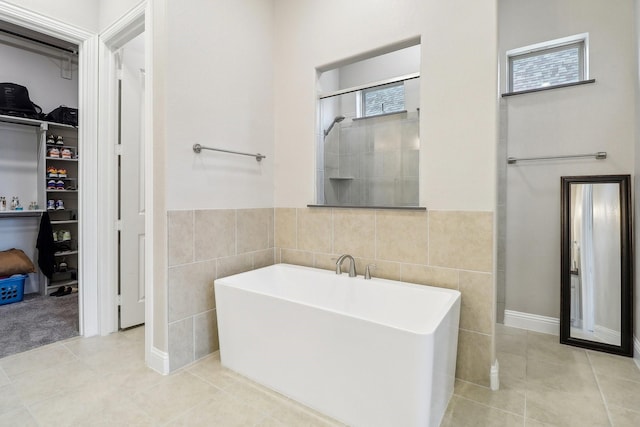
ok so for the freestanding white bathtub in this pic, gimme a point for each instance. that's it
(365, 352)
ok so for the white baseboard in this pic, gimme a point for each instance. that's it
(495, 376)
(532, 322)
(158, 361)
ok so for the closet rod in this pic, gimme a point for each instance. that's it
(38, 41)
(600, 155)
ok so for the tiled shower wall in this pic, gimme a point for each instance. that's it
(441, 248)
(204, 245)
(449, 249)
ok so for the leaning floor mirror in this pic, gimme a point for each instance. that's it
(597, 280)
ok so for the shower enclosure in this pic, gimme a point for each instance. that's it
(368, 160)
(368, 137)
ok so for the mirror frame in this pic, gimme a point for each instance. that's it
(626, 258)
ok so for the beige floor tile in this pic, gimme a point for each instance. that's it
(619, 392)
(35, 386)
(4, 379)
(621, 417)
(131, 381)
(256, 396)
(535, 423)
(547, 348)
(512, 365)
(9, 400)
(569, 378)
(505, 398)
(116, 410)
(270, 422)
(210, 370)
(466, 413)
(614, 366)
(511, 340)
(19, 417)
(66, 409)
(35, 360)
(566, 409)
(175, 395)
(294, 414)
(223, 410)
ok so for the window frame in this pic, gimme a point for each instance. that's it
(580, 40)
(361, 101)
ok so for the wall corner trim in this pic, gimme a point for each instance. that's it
(532, 322)
(636, 355)
(494, 376)
(158, 361)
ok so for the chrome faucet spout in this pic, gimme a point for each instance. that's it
(352, 266)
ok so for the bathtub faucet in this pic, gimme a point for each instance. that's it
(352, 267)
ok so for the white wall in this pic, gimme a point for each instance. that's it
(220, 94)
(81, 13)
(111, 10)
(582, 119)
(40, 74)
(458, 110)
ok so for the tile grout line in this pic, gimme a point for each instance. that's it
(604, 400)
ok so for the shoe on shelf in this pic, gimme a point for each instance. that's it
(62, 173)
(51, 205)
(60, 185)
(53, 153)
(59, 205)
(63, 266)
(60, 140)
(50, 140)
(53, 172)
(64, 235)
(55, 236)
(51, 184)
(66, 153)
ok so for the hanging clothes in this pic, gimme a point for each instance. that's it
(46, 247)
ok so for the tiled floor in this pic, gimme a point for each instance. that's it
(543, 383)
(103, 381)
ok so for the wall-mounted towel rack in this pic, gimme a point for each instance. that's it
(600, 155)
(197, 148)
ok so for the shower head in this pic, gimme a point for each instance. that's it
(337, 119)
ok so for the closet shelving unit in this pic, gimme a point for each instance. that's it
(66, 219)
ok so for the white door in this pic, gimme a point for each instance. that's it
(131, 183)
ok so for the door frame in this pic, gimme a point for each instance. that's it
(110, 41)
(88, 298)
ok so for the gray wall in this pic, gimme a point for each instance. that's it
(582, 119)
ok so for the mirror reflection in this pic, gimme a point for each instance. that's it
(597, 281)
(595, 262)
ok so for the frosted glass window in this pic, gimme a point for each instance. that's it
(383, 99)
(547, 67)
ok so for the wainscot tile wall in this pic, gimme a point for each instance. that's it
(204, 245)
(450, 249)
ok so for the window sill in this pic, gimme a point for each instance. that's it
(405, 208)
(542, 89)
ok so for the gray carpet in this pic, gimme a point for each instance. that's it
(36, 321)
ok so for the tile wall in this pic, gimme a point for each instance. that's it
(441, 248)
(448, 249)
(204, 245)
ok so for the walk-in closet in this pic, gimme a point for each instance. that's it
(40, 189)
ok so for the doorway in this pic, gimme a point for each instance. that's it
(131, 174)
